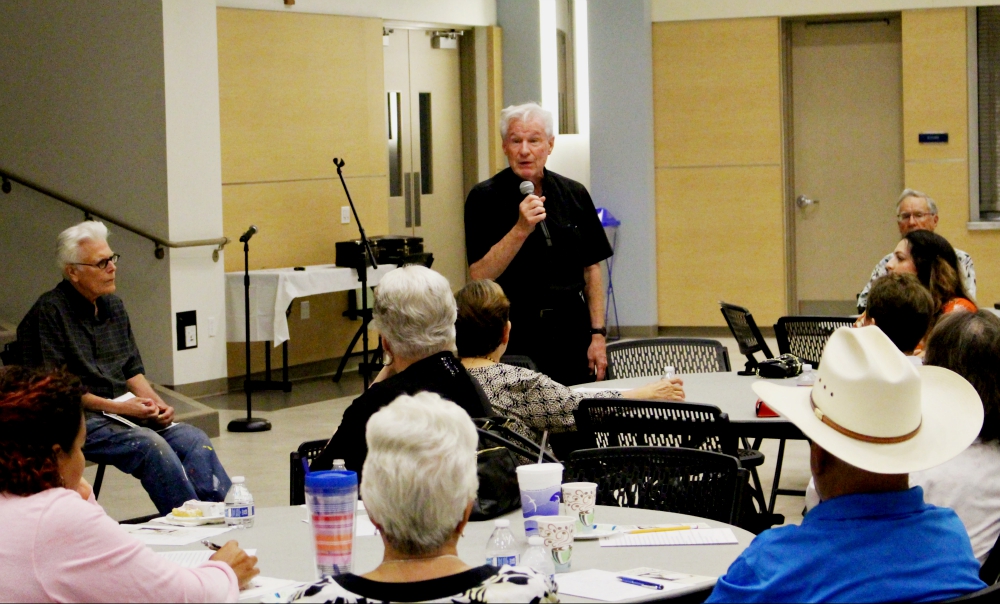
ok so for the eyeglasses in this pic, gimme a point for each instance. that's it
(101, 264)
(904, 216)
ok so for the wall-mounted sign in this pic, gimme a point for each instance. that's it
(933, 137)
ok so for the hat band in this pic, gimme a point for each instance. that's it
(880, 440)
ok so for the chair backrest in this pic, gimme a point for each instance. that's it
(685, 481)
(989, 572)
(611, 422)
(745, 330)
(11, 354)
(805, 337)
(983, 595)
(647, 357)
(519, 360)
(308, 451)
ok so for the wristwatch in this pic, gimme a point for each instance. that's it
(599, 330)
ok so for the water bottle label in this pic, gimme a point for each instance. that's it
(240, 511)
(499, 561)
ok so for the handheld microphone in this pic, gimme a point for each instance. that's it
(250, 233)
(527, 188)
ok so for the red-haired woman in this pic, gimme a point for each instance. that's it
(57, 544)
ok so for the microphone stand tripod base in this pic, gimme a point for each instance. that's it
(249, 424)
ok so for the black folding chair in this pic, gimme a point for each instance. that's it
(634, 423)
(668, 479)
(983, 595)
(308, 451)
(648, 357)
(989, 572)
(806, 336)
(748, 337)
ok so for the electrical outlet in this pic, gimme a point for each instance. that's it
(187, 330)
(345, 214)
(304, 310)
(211, 327)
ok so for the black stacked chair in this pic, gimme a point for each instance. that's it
(983, 595)
(747, 334)
(519, 360)
(648, 357)
(989, 572)
(632, 423)
(805, 337)
(685, 481)
(308, 451)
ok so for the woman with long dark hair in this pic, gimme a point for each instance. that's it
(932, 259)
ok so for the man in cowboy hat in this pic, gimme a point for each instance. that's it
(872, 418)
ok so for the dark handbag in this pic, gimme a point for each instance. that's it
(497, 459)
(785, 366)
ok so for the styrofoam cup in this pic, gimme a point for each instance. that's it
(540, 486)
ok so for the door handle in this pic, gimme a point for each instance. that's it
(416, 198)
(406, 200)
(802, 201)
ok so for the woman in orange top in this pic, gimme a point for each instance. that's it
(932, 259)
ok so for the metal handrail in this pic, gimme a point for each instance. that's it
(90, 212)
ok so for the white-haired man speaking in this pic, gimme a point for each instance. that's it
(82, 326)
(544, 248)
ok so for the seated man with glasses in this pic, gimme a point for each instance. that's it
(82, 326)
(916, 211)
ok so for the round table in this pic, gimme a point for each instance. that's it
(285, 549)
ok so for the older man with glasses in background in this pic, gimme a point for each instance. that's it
(82, 326)
(916, 211)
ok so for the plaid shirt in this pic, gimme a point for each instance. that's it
(61, 330)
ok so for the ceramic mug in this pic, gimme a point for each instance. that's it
(558, 534)
(579, 499)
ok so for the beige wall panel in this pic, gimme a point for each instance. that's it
(717, 93)
(494, 88)
(299, 221)
(935, 90)
(296, 90)
(719, 237)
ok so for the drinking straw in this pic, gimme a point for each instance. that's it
(541, 451)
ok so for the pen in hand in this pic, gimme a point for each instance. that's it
(211, 545)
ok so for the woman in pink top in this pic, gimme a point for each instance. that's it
(56, 542)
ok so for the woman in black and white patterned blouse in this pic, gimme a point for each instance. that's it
(535, 401)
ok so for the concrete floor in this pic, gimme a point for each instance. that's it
(313, 410)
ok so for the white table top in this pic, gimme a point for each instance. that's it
(285, 549)
(272, 290)
(730, 392)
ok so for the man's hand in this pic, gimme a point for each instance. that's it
(597, 356)
(142, 408)
(532, 211)
(165, 413)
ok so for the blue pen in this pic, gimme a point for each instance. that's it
(640, 583)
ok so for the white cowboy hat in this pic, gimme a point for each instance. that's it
(875, 410)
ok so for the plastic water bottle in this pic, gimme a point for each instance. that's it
(501, 548)
(808, 376)
(537, 557)
(339, 464)
(668, 372)
(239, 505)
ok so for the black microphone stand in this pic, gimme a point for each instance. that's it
(248, 423)
(369, 257)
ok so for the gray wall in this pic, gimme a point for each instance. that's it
(522, 53)
(621, 149)
(82, 112)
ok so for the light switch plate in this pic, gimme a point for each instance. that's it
(304, 310)
(211, 327)
(345, 214)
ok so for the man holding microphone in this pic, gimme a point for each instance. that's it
(543, 245)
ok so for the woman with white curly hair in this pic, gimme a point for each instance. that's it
(414, 313)
(419, 485)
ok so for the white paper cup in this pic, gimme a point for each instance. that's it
(540, 486)
(579, 499)
(558, 534)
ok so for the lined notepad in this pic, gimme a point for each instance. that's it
(194, 558)
(718, 536)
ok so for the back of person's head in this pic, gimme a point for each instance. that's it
(68, 242)
(483, 312)
(415, 310)
(38, 410)
(902, 308)
(969, 344)
(937, 266)
(420, 473)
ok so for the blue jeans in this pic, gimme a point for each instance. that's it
(174, 466)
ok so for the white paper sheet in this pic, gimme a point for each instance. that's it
(194, 558)
(588, 390)
(718, 536)
(161, 534)
(604, 585)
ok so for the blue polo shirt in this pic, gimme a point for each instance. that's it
(873, 547)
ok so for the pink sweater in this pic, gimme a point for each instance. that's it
(56, 547)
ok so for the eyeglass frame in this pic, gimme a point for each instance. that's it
(112, 259)
(904, 216)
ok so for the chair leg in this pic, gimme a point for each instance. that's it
(777, 475)
(99, 479)
(756, 489)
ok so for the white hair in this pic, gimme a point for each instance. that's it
(415, 310)
(913, 193)
(420, 472)
(525, 113)
(69, 241)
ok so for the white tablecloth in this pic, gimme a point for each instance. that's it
(272, 290)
